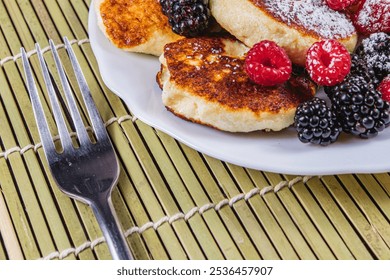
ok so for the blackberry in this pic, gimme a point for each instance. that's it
(359, 107)
(165, 5)
(316, 123)
(374, 53)
(187, 17)
(360, 68)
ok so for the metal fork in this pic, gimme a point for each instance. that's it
(89, 172)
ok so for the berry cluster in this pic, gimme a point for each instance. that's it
(187, 17)
(360, 102)
(358, 84)
(368, 16)
(359, 107)
(328, 62)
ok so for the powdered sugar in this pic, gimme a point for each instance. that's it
(370, 48)
(313, 15)
(375, 14)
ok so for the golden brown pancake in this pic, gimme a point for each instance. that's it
(293, 25)
(204, 81)
(135, 25)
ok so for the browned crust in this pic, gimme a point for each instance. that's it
(200, 66)
(158, 77)
(131, 23)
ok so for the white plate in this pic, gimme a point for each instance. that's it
(133, 78)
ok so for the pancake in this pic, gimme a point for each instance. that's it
(203, 80)
(293, 25)
(135, 25)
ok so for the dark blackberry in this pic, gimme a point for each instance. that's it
(360, 68)
(187, 17)
(374, 53)
(316, 123)
(165, 5)
(359, 107)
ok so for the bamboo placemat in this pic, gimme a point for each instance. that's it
(174, 202)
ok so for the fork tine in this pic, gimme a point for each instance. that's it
(43, 127)
(97, 123)
(74, 112)
(62, 129)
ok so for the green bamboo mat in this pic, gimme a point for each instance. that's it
(173, 202)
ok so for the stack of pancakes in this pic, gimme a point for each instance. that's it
(203, 79)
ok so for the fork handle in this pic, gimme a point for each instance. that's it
(109, 224)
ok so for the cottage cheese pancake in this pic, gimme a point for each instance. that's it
(135, 25)
(204, 81)
(293, 25)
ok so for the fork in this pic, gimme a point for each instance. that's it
(90, 171)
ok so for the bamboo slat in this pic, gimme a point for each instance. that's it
(151, 239)
(283, 217)
(377, 194)
(16, 205)
(232, 223)
(338, 219)
(368, 207)
(193, 186)
(384, 180)
(258, 236)
(170, 207)
(363, 226)
(2, 250)
(8, 239)
(321, 221)
(151, 203)
(312, 236)
(263, 214)
(177, 188)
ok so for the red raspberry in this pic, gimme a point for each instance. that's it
(268, 64)
(328, 62)
(372, 16)
(338, 5)
(384, 88)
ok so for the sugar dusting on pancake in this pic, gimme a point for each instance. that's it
(293, 25)
(313, 15)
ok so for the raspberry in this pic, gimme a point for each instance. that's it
(328, 62)
(268, 64)
(372, 16)
(338, 5)
(384, 89)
